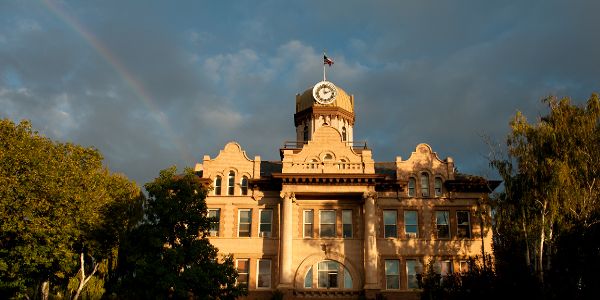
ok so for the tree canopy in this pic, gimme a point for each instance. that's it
(61, 212)
(169, 254)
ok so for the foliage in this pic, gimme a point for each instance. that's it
(171, 250)
(54, 203)
(547, 218)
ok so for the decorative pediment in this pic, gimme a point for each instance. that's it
(231, 158)
(327, 153)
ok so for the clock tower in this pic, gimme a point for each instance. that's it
(324, 104)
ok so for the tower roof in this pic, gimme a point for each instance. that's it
(342, 100)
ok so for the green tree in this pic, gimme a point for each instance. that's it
(552, 194)
(54, 200)
(169, 255)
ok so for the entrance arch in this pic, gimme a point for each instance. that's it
(312, 261)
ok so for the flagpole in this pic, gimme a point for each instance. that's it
(324, 78)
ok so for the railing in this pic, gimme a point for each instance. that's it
(328, 165)
(297, 145)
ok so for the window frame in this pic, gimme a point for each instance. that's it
(247, 273)
(459, 225)
(416, 225)
(258, 273)
(412, 184)
(249, 210)
(244, 185)
(231, 183)
(260, 223)
(212, 223)
(218, 183)
(312, 223)
(346, 225)
(438, 186)
(329, 272)
(437, 224)
(321, 223)
(408, 274)
(395, 225)
(388, 275)
(425, 184)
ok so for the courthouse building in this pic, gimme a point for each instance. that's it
(327, 221)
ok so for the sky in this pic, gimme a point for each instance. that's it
(153, 84)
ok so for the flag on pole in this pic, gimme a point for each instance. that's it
(327, 61)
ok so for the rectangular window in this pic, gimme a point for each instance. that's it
(266, 221)
(390, 224)
(264, 273)
(327, 228)
(412, 269)
(392, 274)
(242, 266)
(438, 187)
(328, 274)
(215, 215)
(411, 186)
(308, 223)
(244, 222)
(347, 222)
(445, 267)
(464, 266)
(463, 224)
(411, 222)
(442, 224)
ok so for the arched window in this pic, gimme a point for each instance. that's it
(327, 157)
(411, 186)
(344, 134)
(305, 133)
(424, 184)
(244, 185)
(230, 183)
(218, 185)
(438, 187)
(330, 274)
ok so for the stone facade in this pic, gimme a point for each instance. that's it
(327, 221)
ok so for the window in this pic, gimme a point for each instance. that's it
(327, 157)
(347, 223)
(308, 223)
(244, 222)
(347, 279)
(215, 214)
(411, 187)
(445, 267)
(412, 269)
(389, 223)
(344, 134)
(242, 266)
(266, 219)
(218, 185)
(244, 185)
(327, 223)
(464, 266)
(411, 223)
(305, 133)
(308, 279)
(264, 273)
(424, 184)
(328, 274)
(463, 224)
(442, 223)
(438, 187)
(230, 183)
(392, 274)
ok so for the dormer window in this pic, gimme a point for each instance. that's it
(230, 183)
(424, 184)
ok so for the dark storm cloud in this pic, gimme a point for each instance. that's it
(181, 80)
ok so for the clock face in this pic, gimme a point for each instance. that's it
(324, 92)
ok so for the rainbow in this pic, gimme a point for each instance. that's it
(136, 86)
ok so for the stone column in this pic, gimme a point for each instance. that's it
(370, 242)
(286, 274)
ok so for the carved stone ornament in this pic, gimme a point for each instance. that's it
(369, 195)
